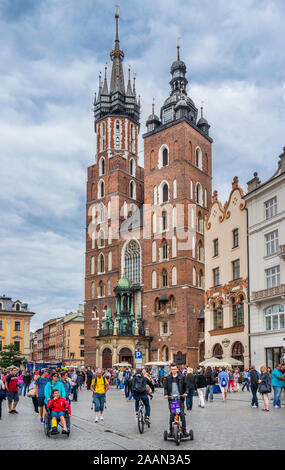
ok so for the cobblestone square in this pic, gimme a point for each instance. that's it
(232, 425)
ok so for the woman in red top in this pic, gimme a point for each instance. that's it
(58, 405)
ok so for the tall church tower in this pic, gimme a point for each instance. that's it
(114, 192)
(178, 185)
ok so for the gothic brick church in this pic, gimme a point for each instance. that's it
(144, 282)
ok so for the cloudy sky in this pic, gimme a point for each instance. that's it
(51, 54)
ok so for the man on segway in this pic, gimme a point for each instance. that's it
(175, 385)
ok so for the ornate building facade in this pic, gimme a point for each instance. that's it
(266, 242)
(226, 281)
(144, 280)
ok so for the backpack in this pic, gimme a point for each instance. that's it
(224, 382)
(138, 385)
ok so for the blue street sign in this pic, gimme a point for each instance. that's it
(138, 354)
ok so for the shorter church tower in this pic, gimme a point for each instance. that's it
(177, 182)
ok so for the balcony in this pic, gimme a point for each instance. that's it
(281, 251)
(260, 295)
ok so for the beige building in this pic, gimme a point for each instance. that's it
(226, 278)
(73, 338)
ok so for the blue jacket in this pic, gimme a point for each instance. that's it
(51, 386)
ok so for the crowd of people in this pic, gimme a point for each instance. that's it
(55, 389)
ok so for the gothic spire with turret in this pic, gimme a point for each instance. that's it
(116, 99)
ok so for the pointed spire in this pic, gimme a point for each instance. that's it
(100, 86)
(134, 85)
(117, 16)
(153, 106)
(105, 87)
(117, 57)
(129, 88)
(178, 48)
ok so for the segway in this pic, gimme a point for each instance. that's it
(177, 434)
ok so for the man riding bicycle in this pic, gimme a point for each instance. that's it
(138, 388)
(175, 385)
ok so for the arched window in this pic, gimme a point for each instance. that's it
(101, 289)
(101, 189)
(165, 157)
(165, 328)
(118, 126)
(218, 317)
(132, 167)
(199, 194)
(101, 263)
(93, 290)
(101, 238)
(132, 260)
(218, 351)
(238, 312)
(237, 351)
(164, 278)
(132, 190)
(101, 213)
(102, 166)
(198, 159)
(200, 223)
(117, 142)
(164, 221)
(165, 192)
(18, 307)
(165, 354)
(200, 251)
(164, 249)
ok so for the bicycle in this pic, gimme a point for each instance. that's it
(177, 425)
(141, 417)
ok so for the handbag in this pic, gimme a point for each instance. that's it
(31, 393)
(264, 387)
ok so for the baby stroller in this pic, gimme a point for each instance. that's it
(47, 423)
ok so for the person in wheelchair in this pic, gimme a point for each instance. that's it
(176, 385)
(57, 407)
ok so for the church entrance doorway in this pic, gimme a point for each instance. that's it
(125, 355)
(107, 358)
